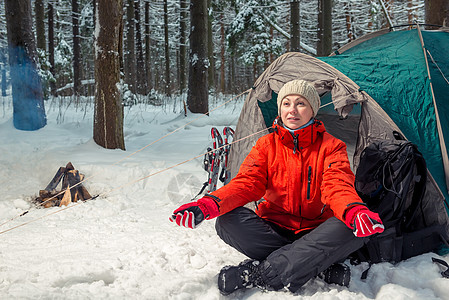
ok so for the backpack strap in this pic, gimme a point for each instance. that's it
(419, 190)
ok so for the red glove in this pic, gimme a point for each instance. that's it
(191, 215)
(363, 222)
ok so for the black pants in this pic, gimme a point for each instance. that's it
(294, 259)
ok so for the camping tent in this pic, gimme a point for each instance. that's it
(380, 89)
(386, 75)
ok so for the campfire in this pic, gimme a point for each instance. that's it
(71, 190)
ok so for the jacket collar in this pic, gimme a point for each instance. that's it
(300, 138)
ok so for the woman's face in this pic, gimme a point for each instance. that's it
(295, 111)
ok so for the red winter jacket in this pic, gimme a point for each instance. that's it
(303, 180)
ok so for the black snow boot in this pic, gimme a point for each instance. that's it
(338, 273)
(246, 275)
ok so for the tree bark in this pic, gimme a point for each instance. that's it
(210, 47)
(197, 99)
(40, 25)
(324, 44)
(148, 46)
(222, 53)
(348, 16)
(28, 101)
(108, 119)
(130, 54)
(76, 49)
(167, 51)
(4, 82)
(411, 11)
(182, 44)
(3, 68)
(437, 12)
(51, 45)
(294, 26)
(141, 75)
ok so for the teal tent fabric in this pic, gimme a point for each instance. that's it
(269, 109)
(391, 68)
(437, 46)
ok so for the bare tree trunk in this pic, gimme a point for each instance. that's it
(94, 9)
(28, 98)
(130, 54)
(411, 11)
(76, 49)
(324, 44)
(197, 99)
(40, 25)
(210, 48)
(148, 46)
(108, 120)
(271, 56)
(3, 70)
(51, 45)
(141, 75)
(348, 15)
(294, 26)
(254, 73)
(4, 82)
(222, 53)
(388, 13)
(167, 52)
(182, 44)
(232, 88)
(437, 12)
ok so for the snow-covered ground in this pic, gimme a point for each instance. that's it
(121, 245)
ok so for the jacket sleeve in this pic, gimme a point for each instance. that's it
(249, 184)
(337, 188)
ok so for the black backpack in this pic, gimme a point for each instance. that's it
(391, 180)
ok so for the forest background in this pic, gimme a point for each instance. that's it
(172, 49)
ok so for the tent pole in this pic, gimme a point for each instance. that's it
(437, 116)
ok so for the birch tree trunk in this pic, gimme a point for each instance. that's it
(108, 119)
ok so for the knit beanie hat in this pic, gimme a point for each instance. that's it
(303, 88)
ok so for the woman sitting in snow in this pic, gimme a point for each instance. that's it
(309, 217)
